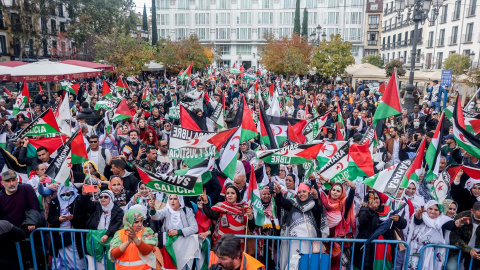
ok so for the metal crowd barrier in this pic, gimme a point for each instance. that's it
(308, 260)
(48, 247)
(451, 260)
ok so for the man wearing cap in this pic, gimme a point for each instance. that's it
(435, 96)
(15, 199)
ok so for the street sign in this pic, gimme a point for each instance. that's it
(446, 78)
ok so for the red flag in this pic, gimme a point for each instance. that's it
(381, 88)
(190, 120)
(256, 86)
(241, 69)
(271, 88)
(291, 135)
(339, 132)
(360, 155)
(6, 91)
(315, 101)
(40, 88)
(222, 137)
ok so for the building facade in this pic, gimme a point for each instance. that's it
(373, 25)
(452, 31)
(237, 27)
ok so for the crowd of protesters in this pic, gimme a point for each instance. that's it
(134, 224)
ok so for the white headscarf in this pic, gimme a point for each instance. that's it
(64, 189)
(106, 211)
(175, 221)
(437, 222)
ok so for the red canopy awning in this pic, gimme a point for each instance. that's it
(13, 63)
(88, 64)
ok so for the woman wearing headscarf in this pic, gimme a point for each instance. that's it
(340, 214)
(143, 197)
(449, 208)
(178, 233)
(372, 213)
(231, 215)
(134, 244)
(412, 194)
(90, 168)
(301, 114)
(429, 227)
(120, 195)
(205, 229)
(303, 218)
(104, 216)
(63, 214)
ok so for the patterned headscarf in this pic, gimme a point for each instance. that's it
(130, 216)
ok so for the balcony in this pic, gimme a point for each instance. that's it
(388, 46)
(372, 42)
(393, 45)
(373, 26)
(467, 38)
(389, 28)
(429, 43)
(452, 40)
(399, 44)
(431, 23)
(383, 47)
(384, 29)
(471, 11)
(440, 42)
(455, 16)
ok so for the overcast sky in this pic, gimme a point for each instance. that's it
(139, 4)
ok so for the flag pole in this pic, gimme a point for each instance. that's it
(246, 230)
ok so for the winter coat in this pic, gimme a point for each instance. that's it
(95, 211)
(89, 115)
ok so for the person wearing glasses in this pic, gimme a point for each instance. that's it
(162, 155)
(104, 216)
(99, 155)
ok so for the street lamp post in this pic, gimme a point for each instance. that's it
(418, 9)
(472, 57)
(27, 51)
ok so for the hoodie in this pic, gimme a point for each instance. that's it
(130, 182)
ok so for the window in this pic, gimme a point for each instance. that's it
(266, 4)
(265, 18)
(62, 27)
(244, 18)
(471, 8)
(287, 17)
(181, 18)
(372, 38)
(469, 33)
(285, 32)
(60, 10)
(443, 17)
(163, 4)
(244, 33)
(331, 3)
(430, 39)
(331, 31)
(223, 18)
(312, 18)
(223, 4)
(202, 18)
(244, 49)
(245, 4)
(353, 18)
(183, 4)
(453, 38)
(3, 45)
(289, 3)
(371, 52)
(456, 11)
(53, 26)
(163, 33)
(439, 60)
(264, 31)
(330, 18)
(202, 4)
(352, 34)
(163, 19)
(465, 52)
(222, 33)
(441, 38)
(373, 7)
(373, 21)
(224, 49)
(181, 33)
(354, 3)
(355, 51)
(203, 33)
(311, 4)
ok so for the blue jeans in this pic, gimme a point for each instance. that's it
(437, 105)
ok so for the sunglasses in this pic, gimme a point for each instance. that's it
(104, 197)
(164, 145)
(93, 141)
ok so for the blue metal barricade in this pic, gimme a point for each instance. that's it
(443, 257)
(46, 236)
(297, 252)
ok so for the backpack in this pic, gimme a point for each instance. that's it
(104, 153)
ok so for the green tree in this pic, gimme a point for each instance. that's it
(375, 60)
(144, 18)
(168, 53)
(390, 67)
(305, 24)
(296, 20)
(473, 77)
(122, 51)
(154, 24)
(331, 58)
(457, 63)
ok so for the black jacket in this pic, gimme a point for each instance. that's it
(32, 162)
(9, 234)
(95, 211)
(89, 115)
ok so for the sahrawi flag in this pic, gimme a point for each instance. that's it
(312, 129)
(244, 119)
(390, 102)
(434, 152)
(263, 127)
(279, 127)
(389, 180)
(465, 139)
(291, 154)
(122, 112)
(254, 199)
(333, 160)
(186, 73)
(69, 87)
(228, 159)
(22, 99)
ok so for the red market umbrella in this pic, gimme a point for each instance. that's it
(13, 63)
(46, 71)
(88, 64)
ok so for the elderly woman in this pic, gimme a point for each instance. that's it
(63, 215)
(231, 215)
(429, 227)
(134, 244)
(303, 218)
(104, 216)
(179, 230)
(120, 195)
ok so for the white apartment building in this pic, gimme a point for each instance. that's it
(237, 27)
(452, 32)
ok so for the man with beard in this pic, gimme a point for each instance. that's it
(131, 148)
(228, 255)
